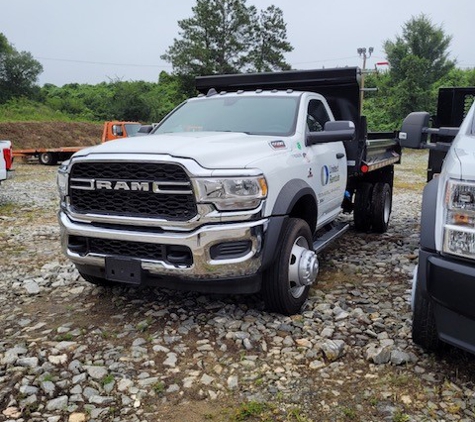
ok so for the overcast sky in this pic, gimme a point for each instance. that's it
(90, 41)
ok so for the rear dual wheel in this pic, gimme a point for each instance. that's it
(381, 202)
(48, 158)
(373, 203)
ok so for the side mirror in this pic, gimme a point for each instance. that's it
(341, 130)
(413, 132)
(117, 130)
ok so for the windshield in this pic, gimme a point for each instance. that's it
(254, 115)
(132, 129)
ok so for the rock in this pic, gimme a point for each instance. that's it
(206, 379)
(171, 360)
(12, 412)
(59, 403)
(100, 400)
(28, 362)
(398, 357)
(174, 388)
(77, 417)
(233, 382)
(378, 355)
(316, 364)
(96, 372)
(31, 286)
(124, 384)
(58, 359)
(333, 349)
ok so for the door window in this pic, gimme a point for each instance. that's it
(317, 116)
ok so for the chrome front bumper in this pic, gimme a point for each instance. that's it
(199, 241)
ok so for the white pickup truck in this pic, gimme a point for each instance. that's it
(6, 160)
(235, 191)
(444, 281)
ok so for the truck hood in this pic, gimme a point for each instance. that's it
(209, 149)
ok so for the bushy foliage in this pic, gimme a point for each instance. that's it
(19, 72)
(116, 100)
(418, 59)
(23, 110)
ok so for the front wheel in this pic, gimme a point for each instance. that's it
(287, 282)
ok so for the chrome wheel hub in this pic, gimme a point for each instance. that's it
(303, 267)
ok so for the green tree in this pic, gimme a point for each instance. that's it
(456, 77)
(269, 41)
(19, 72)
(5, 46)
(418, 59)
(128, 101)
(226, 36)
(423, 39)
(164, 96)
(212, 41)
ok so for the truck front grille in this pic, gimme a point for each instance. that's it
(129, 249)
(142, 190)
(171, 254)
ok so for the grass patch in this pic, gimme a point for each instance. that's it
(250, 411)
(107, 379)
(65, 337)
(24, 110)
(8, 209)
(158, 387)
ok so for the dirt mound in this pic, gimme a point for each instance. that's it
(51, 134)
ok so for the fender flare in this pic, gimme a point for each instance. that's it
(427, 238)
(289, 195)
(291, 192)
(428, 215)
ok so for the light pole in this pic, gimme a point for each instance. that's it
(362, 52)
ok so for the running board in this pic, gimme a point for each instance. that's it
(329, 236)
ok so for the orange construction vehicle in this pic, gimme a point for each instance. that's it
(50, 156)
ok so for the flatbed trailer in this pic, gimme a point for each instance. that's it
(47, 156)
(51, 156)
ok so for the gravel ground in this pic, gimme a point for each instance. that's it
(70, 351)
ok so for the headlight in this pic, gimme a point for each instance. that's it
(62, 180)
(459, 224)
(232, 193)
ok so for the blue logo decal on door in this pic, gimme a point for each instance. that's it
(325, 175)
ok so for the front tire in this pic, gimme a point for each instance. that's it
(424, 329)
(284, 289)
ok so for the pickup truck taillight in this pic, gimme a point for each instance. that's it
(8, 156)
